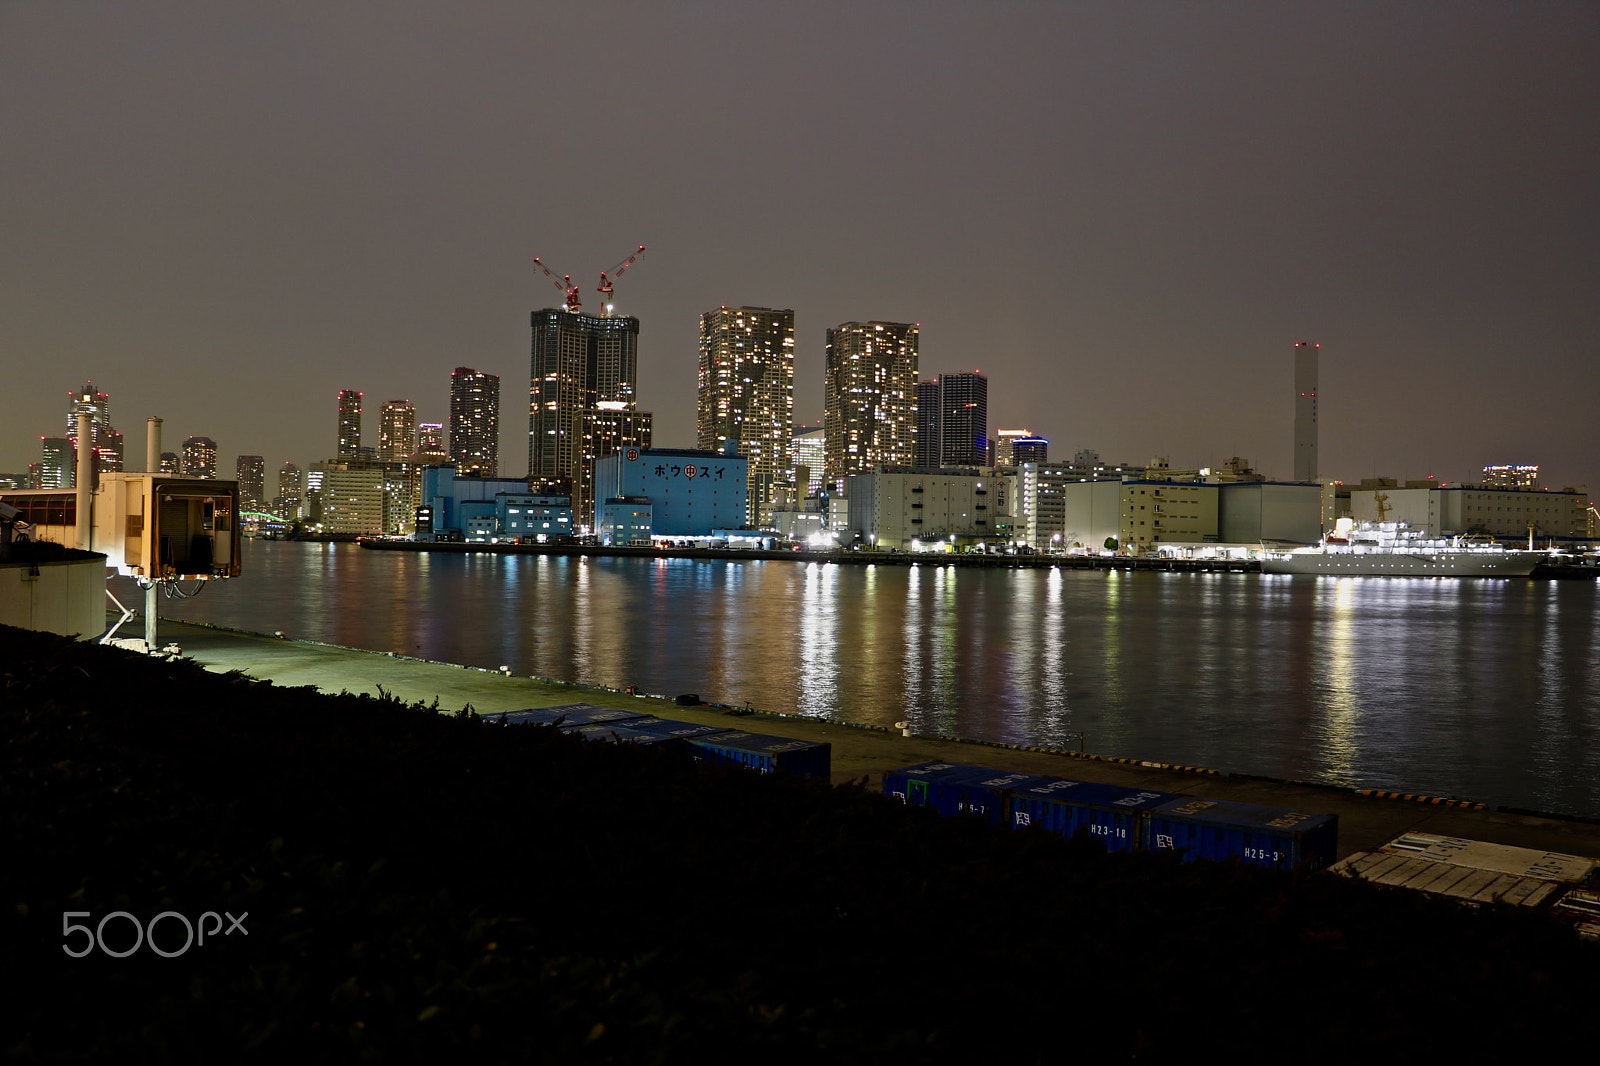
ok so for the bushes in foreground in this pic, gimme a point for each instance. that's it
(417, 882)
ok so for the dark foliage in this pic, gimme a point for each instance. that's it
(419, 883)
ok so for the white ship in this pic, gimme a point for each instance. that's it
(1391, 549)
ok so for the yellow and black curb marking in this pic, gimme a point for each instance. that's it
(1439, 801)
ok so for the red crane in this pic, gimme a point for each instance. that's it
(605, 283)
(571, 297)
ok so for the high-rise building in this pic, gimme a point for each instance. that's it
(251, 472)
(963, 419)
(475, 422)
(579, 362)
(397, 431)
(431, 450)
(56, 463)
(1305, 411)
(870, 388)
(1028, 450)
(810, 453)
(608, 429)
(747, 394)
(200, 458)
(105, 440)
(1511, 477)
(1003, 439)
(349, 424)
(171, 464)
(928, 423)
(291, 492)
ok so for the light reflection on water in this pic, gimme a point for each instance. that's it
(1478, 689)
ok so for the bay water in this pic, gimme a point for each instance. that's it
(1474, 689)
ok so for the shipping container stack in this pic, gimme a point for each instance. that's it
(1123, 819)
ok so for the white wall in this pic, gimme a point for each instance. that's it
(67, 597)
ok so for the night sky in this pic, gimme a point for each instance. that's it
(1124, 214)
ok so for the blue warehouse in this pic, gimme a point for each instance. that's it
(674, 492)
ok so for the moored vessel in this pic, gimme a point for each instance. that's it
(1392, 549)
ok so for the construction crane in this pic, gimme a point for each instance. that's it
(605, 283)
(572, 299)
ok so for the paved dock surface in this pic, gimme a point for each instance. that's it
(1364, 822)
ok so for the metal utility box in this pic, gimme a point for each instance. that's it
(1111, 814)
(157, 527)
(1261, 836)
(148, 526)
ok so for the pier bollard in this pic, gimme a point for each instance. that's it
(904, 727)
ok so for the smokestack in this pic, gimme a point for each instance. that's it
(152, 445)
(85, 476)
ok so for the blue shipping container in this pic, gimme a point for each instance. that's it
(623, 733)
(954, 788)
(1110, 813)
(765, 753)
(1263, 836)
(667, 727)
(569, 714)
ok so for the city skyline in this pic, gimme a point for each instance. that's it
(1127, 217)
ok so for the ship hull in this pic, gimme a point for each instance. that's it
(1392, 564)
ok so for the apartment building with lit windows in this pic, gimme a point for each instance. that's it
(870, 392)
(580, 363)
(746, 395)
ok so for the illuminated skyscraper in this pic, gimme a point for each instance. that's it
(579, 363)
(928, 423)
(251, 472)
(200, 458)
(431, 450)
(106, 441)
(1029, 450)
(397, 431)
(747, 394)
(1305, 411)
(56, 469)
(1003, 439)
(963, 419)
(291, 492)
(810, 457)
(349, 424)
(475, 422)
(871, 396)
(606, 430)
(1511, 477)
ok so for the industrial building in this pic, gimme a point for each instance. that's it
(909, 509)
(689, 493)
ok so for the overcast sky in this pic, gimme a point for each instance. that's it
(1125, 214)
